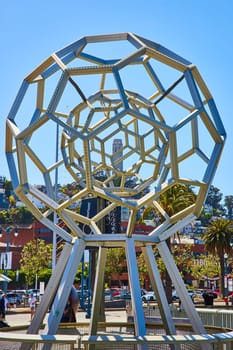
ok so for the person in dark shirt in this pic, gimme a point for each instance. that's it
(3, 307)
(69, 314)
(208, 298)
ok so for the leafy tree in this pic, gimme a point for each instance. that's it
(205, 217)
(213, 199)
(44, 275)
(78, 276)
(70, 189)
(115, 264)
(183, 256)
(228, 203)
(19, 215)
(8, 188)
(5, 217)
(175, 199)
(35, 256)
(218, 238)
(205, 266)
(142, 268)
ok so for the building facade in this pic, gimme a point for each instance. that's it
(9, 242)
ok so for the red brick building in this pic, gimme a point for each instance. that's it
(38, 231)
(24, 235)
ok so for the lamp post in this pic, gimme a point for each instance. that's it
(5, 261)
(226, 274)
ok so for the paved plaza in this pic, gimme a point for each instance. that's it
(21, 317)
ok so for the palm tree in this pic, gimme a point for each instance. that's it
(175, 199)
(218, 239)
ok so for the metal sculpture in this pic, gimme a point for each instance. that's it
(94, 91)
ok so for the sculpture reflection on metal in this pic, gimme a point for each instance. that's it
(99, 89)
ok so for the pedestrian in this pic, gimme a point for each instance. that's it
(208, 298)
(32, 305)
(180, 307)
(69, 314)
(3, 307)
(6, 303)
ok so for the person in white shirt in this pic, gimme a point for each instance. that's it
(32, 305)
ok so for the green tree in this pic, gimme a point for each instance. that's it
(205, 266)
(70, 189)
(8, 188)
(19, 215)
(115, 264)
(79, 276)
(205, 217)
(177, 198)
(228, 203)
(213, 199)
(218, 238)
(142, 268)
(174, 200)
(5, 217)
(183, 256)
(45, 274)
(35, 256)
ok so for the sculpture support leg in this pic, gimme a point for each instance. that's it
(48, 296)
(158, 288)
(64, 289)
(178, 282)
(139, 319)
(98, 289)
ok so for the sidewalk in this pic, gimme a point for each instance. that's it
(21, 316)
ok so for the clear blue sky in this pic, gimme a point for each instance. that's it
(200, 31)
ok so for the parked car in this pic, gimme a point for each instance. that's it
(143, 291)
(35, 292)
(115, 291)
(108, 295)
(125, 294)
(175, 296)
(14, 298)
(198, 295)
(149, 296)
(21, 292)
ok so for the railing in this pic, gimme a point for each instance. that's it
(161, 342)
(121, 335)
(14, 341)
(217, 317)
(220, 341)
(210, 317)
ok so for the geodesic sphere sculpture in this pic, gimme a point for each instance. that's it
(124, 118)
(118, 120)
